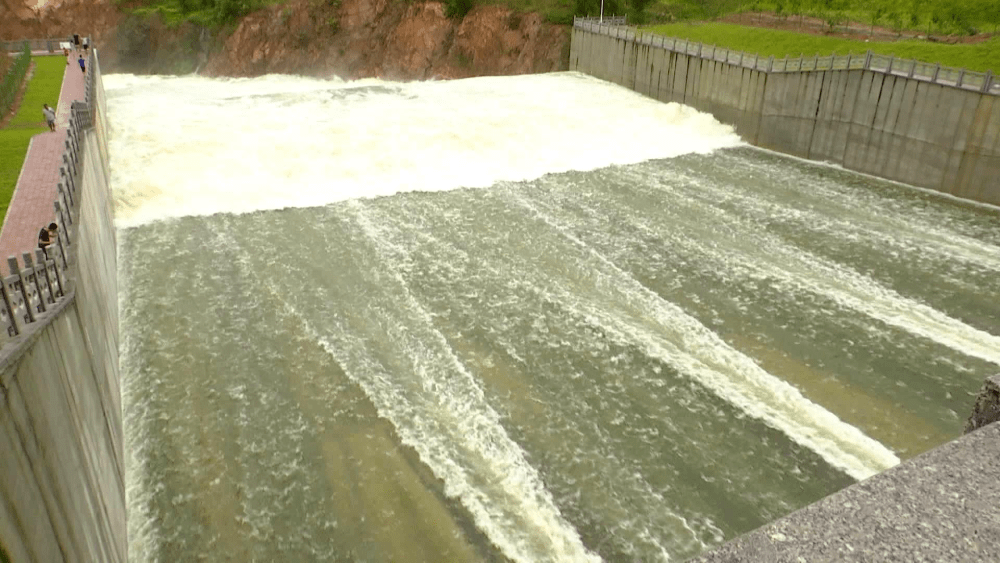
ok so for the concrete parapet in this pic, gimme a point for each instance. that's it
(937, 507)
(901, 120)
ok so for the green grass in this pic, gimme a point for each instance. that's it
(28, 122)
(979, 57)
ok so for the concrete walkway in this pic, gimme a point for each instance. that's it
(31, 207)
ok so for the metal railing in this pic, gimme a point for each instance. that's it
(962, 78)
(29, 292)
(605, 20)
(49, 45)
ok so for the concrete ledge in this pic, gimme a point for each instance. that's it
(942, 506)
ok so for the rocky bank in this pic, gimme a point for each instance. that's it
(392, 39)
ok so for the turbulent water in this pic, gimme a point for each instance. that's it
(533, 318)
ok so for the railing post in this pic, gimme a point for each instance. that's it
(891, 59)
(868, 60)
(67, 202)
(33, 276)
(59, 235)
(913, 68)
(987, 81)
(43, 261)
(961, 75)
(13, 330)
(770, 63)
(937, 69)
(16, 271)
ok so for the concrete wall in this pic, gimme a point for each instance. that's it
(893, 126)
(62, 491)
(940, 506)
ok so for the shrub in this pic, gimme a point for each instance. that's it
(458, 9)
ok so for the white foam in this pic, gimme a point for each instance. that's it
(442, 413)
(199, 146)
(666, 332)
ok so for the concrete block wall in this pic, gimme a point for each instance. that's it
(889, 125)
(62, 490)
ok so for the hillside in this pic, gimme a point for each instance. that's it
(410, 39)
(350, 38)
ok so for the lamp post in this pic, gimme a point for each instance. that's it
(602, 11)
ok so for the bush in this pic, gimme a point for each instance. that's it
(458, 9)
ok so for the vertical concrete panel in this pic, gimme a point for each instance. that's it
(630, 64)
(773, 93)
(974, 142)
(724, 95)
(691, 93)
(622, 66)
(860, 131)
(963, 109)
(784, 123)
(886, 120)
(574, 47)
(661, 71)
(872, 161)
(25, 528)
(985, 177)
(830, 129)
(592, 51)
(706, 90)
(680, 73)
(809, 94)
(845, 112)
(616, 66)
(643, 67)
(748, 104)
(584, 56)
(53, 419)
(734, 96)
(904, 152)
(930, 158)
(36, 443)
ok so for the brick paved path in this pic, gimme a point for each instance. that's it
(31, 207)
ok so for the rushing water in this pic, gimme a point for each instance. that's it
(534, 318)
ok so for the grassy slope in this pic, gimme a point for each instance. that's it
(15, 136)
(978, 57)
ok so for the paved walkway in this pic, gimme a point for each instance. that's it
(31, 207)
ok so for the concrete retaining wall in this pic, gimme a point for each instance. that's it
(880, 122)
(62, 491)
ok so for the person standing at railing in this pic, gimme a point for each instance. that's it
(47, 237)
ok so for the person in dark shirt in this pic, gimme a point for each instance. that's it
(47, 237)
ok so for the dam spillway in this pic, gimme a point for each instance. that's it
(529, 318)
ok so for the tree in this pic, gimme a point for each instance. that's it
(795, 9)
(877, 14)
(916, 10)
